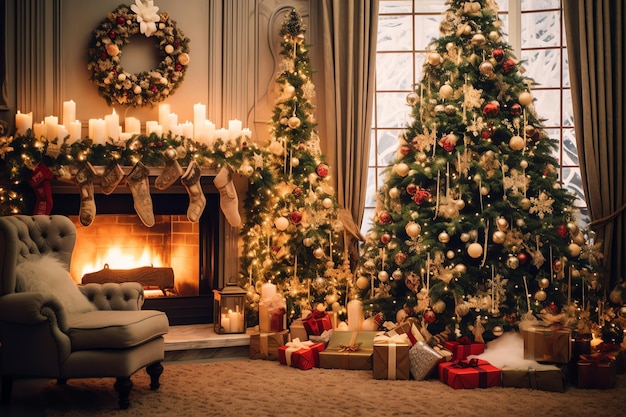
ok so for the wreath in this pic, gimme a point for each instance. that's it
(117, 86)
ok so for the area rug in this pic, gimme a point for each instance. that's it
(260, 388)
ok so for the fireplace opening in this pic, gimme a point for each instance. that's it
(118, 245)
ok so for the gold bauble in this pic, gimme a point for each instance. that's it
(362, 283)
(475, 250)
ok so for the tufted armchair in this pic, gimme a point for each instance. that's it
(40, 337)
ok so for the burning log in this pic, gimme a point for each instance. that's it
(149, 277)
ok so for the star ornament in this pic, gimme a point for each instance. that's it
(147, 16)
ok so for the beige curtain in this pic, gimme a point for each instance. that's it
(596, 43)
(348, 31)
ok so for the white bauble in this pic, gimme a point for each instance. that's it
(402, 169)
(383, 276)
(369, 324)
(281, 223)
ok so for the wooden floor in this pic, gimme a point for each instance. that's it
(198, 342)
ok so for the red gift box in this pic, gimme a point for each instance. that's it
(277, 320)
(469, 374)
(463, 347)
(317, 322)
(598, 370)
(302, 355)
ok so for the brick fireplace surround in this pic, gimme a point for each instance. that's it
(201, 254)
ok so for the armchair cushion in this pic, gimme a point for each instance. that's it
(46, 274)
(116, 329)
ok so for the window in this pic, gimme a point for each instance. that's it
(406, 27)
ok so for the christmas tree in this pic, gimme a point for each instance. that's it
(472, 230)
(293, 237)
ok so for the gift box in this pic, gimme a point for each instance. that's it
(545, 378)
(300, 354)
(597, 370)
(349, 350)
(469, 374)
(543, 344)
(463, 347)
(297, 330)
(390, 358)
(277, 320)
(317, 322)
(265, 345)
(423, 359)
(409, 329)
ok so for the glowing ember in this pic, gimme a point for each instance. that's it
(123, 258)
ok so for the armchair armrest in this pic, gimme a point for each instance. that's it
(29, 308)
(114, 296)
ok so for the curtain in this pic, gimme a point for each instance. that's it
(596, 43)
(348, 30)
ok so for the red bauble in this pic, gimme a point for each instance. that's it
(384, 217)
(498, 54)
(104, 55)
(429, 316)
(322, 170)
(296, 216)
(562, 231)
(112, 35)
(553, 309)
(516, 109)
(411, 189)
(421, 195)
(385, 238)
(121, 20)
(400, 258)
(297, 191)
(487, 133)
(508, 65)
(491, 109)
(522, 257)
(405, 150)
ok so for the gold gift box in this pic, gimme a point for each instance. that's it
(265, 345)
(543, 344)
(339, 353)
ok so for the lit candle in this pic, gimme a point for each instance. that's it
(152, 126)
(170, 123)
(355, 314)
(23, 122)
(112, 122)
(225, 322)
(75, 131)
(39, 130)
(69, 112)
(247, 133)
(132, 125)
(268, 291)
(199, 116)
(187, 129)
(222, 134)
(97, 129)
(51, 122)
(61, 133)
(234, 129)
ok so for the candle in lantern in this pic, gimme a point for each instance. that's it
(23, 122)
(355, 314)
(69, 112)
(225, 322)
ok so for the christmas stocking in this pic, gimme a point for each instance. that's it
(40, 182)
(84, 179)
(113, 175)
(170, 174)
(197, 201)
(229, 202)
(140, 189)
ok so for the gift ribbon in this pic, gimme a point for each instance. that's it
(391, 342)
(294, 346)
(596, 358)
(352, 346)
(264, 344)
(471, 363)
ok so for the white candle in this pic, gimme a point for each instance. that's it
(39, 130)
(75, 131)
(187, 129)
(222, 134)
(355, 314)
(152, 126)
(199, 116)
(225, 322)
(234, 129)
(132, 125)
(51, 123)
(112, 122)
(69, 112)
(170, 123)
(23, 122)
(97, 127)
(61, 133)
(246, 132)
(268, 291)
(164, 112)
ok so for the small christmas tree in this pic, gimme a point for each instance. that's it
(292, 236)
(472, 229)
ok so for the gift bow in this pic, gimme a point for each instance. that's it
(471, 363)
(350, 348)
(316, 314)
(396, 339)
(296, 343)
(464, 341)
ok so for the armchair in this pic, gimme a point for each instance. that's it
(46, 334)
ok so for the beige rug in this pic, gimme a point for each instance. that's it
(265, 388)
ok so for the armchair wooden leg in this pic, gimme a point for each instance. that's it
(7, 388)
(123, 386)
(154, 370)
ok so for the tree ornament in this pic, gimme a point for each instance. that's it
(475, 250)
(307, 242)
(491, 109)
(446, 91)
(394, 192)
(444, 237)
(525, 98)
(497, 331)
(281, 223)
(362, 283)
(498, 237)
(385, 238)
(440, 108)
(383, 276)
(384, 217)
(516, 109)
(522, 257)
(430, 316)
(622, 311)
(512, 262)
(544, 283)
(295, 162)
(459, 204)
(439, 306)
(412, 98)
(413, 229)
(478, 39)
(462, 309)
(296, 217)
(502, 223)
(498, 54)
(562, 231)
(267, 263)
(411, 189)
(465, 237)
(327, 203)
(434, 59)
(402, 169)
(574, 249)
(517, 143)
(486, 68)
(524, 203)
(573, 228)
(541, 295)
(318, 253)
(294, 122)
(322, 170)
(405, 150)
(460, 268)
(508, 65)
(400, 258)
(397, 274)
(450, 254)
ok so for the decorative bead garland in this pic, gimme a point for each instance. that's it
(146, 88)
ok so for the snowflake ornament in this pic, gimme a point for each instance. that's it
(541, 205)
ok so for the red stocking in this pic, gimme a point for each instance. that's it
(40, 182)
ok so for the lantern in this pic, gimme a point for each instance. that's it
(229, 309)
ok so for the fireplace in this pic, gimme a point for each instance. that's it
(118, 241)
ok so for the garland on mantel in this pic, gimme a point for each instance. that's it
(20, 155)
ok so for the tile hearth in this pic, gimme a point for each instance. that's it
(199, 342)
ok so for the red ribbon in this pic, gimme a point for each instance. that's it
(464, 363)
(464, 341)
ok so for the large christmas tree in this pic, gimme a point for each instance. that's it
(293, 237)
(473, 230)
